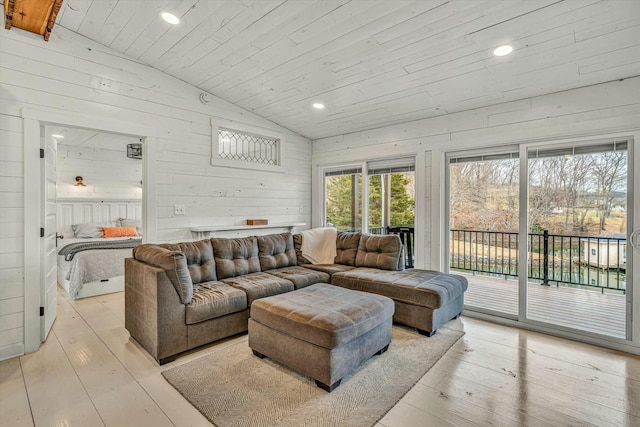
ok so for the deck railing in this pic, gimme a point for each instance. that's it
(584, 261)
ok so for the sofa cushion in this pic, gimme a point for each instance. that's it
(235, 257)
(173, 263)
(259, 285)
(347, 247)
(276, 251)
(300, 276)
(202, 266)
(330, 269)
(383, 252)
(425, 288)
(214, 299)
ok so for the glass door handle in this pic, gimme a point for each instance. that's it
(635, 239)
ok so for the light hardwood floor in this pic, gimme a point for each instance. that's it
(88, 373)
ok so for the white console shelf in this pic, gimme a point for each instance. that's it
(210, 231)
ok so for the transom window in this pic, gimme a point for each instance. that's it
(245, 147)
(236, 145)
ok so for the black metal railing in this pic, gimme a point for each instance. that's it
(584, 261)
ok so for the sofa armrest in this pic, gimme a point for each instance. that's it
(154, 313)
(174, 263)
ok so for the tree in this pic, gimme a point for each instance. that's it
(609, 174)
(339, 203)
(402, 201)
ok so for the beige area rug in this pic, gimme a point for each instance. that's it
(232, 387)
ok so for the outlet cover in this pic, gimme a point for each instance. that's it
(178, 209)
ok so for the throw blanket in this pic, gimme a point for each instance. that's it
(319, 245)
(70, 250)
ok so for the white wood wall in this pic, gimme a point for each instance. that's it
(108, 174)
(70, 212)
(593, 110)
(71, 73)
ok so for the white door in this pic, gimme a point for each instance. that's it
(48, 251)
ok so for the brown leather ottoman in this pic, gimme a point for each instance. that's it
(322, 331)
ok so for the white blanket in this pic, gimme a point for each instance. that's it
(319, 245)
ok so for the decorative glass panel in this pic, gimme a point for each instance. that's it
(246, 147)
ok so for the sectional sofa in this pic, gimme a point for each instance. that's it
(180, 296)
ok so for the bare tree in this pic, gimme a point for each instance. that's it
(609, 171)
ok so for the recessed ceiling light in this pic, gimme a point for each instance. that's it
(318, 105)
(170, 18)
(58, 136)
(503, 50)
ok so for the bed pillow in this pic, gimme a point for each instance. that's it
(90, 229)
(119, 232)
(126, 222)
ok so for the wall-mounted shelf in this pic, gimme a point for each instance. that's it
(210, 231)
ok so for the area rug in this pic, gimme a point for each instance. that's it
(232, 387)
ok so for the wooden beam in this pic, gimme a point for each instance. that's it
(36, 16)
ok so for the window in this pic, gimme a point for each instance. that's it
(387, 195)
(240, 146)
(391, 194)
(593, 252)
(343, 198)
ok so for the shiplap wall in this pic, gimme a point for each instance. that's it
(108, 174)
(593, 110)
(70, 212)
(71, 73)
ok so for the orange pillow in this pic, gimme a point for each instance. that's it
(119, 231)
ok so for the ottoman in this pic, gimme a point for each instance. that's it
(322, 331)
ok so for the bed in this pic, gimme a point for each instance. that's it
(88, 263)
(91, 266)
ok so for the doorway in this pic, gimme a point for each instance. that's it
(35, 122)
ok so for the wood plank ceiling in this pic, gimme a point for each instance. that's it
(371, 62)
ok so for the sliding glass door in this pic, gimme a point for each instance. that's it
(577, 257)
(540, 231)
(483, 228)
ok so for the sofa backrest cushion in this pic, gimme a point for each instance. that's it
(347, 247)
(383, 252)
(202, 266)
(276, 251)
(173, 263)
(235, 257)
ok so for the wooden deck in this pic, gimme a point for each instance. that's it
(581, 309)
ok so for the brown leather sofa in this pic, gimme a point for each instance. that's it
(183, 295)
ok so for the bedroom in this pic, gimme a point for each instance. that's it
(98, 184)
(73, 80)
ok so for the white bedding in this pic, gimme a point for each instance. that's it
(101, 269)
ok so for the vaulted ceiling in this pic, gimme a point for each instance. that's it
(371, 62)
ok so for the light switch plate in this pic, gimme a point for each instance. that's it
(178, 209)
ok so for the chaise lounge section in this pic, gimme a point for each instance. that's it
(183, 295)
